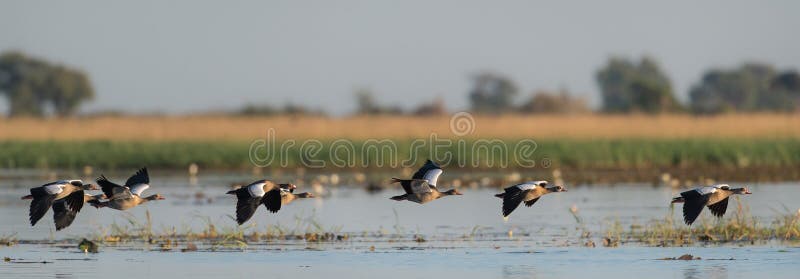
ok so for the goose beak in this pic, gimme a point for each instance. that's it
(747, 192)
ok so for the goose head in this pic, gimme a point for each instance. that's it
(155, 197)
(741, 191)
(85, 187)
(555, 189)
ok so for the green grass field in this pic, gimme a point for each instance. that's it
(568, 154)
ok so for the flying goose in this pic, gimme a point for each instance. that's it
(249, 197)
(421, 188)
(528, 192)
(43, 197)
(286, 197)
(714, 197)
(128, 196)
(63, 212)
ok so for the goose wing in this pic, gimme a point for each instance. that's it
(531, 202)
(272, 200)
(112, 190)
(138, 182)
(718, 209)
(430, 171)
(246, 205)
(693, 204)
(513, 197)
(416, 186)
(65, 210)
(42, 200)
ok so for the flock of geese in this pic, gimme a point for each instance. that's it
(67, 197)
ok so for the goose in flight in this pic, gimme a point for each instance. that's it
(127, 196)
(249, 197)
(421, 188)
(714, 197)
(45, 196)
(528, 192)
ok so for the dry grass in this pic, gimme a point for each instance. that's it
(157, 128)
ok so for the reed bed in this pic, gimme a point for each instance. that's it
(740, 228)
(539, 127)
(768, 157)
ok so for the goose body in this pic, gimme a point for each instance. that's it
(70, 192)
(714, 197)
(421, 188)
(128, 196)
(528, 192)
(249, 197)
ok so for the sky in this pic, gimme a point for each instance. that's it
(191, 56)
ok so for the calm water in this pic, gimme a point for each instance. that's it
(545, 242)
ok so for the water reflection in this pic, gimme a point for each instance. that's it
(713, 272)
(518, 271)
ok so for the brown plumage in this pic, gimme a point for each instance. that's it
(528, 192)
(421, 188)
(249, 197)
(43, 197)
(128, 196)
(714, 197)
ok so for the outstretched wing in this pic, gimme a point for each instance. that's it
(272, 200)
(138, 182)
(40, 204)
(429, 171)
(140, 177)
(246, 205)
(65, 210)
(416, 186)
(718, 209)
(693, 204)
(531, 202)
(512, 198)
(111, 189)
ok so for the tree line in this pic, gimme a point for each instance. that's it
(35, 87)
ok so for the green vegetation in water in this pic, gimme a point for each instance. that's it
(567, 154)
(740, 227)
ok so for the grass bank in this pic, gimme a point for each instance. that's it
(777, 157)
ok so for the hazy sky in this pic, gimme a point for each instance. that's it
(184, 56)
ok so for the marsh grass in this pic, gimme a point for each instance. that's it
(738, 226)
(584, 161)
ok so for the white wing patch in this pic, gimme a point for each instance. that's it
(256, 189)
(54, 189)
(432, 176)
(138, 189)
(706, 190)
(722, 186)
(527, 186)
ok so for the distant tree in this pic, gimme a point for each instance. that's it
(751, 87)
(492, 93)
(627, 86)
(32, 86)
(433, 108)
(366, 104)
(554, 103)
